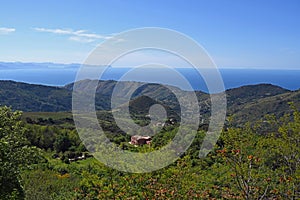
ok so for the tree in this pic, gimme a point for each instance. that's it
(264, 165)
(241, 154)
(281, 152)
(62, 142)
(15, 154)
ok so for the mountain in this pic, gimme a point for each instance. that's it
(158, 92)
(238, 98)
(30, 66)
(251, 93)
(142, 104)
(41, 98)
(244, 103)
(30, 97)
(154, 90)
(277, 105)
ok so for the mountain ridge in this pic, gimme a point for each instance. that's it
(251, 101)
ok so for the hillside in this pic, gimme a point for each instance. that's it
(142, 104)
(277, 105)
(40, 98)
(153, 90)
(251, 93)
(30, 97)
(248, 102)
(68, 171)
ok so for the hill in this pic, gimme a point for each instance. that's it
(277, 105)
(251, 93)
(245, 103)
(30, 97)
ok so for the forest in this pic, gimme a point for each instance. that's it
(257, 161)
(257, 155)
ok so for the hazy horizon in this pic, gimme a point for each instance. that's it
(239, 34)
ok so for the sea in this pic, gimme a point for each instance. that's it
(231, 78)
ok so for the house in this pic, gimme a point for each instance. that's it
(140, 140)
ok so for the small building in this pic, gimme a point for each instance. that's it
(140, 140)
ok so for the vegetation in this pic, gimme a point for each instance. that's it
(247, 103)
(42, 156)
(247, 163)
(15, 154)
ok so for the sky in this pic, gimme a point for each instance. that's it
(235, 33)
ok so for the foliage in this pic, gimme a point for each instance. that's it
(265, 166)
(15, 154)
(255, 161)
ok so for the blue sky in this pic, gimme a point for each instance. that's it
(236, 33)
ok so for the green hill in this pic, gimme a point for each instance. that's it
(277, 105)
(245, 103)
(30, 97)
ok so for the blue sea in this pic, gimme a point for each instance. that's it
(232, 78)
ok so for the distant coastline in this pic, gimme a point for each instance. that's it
(53, 74)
